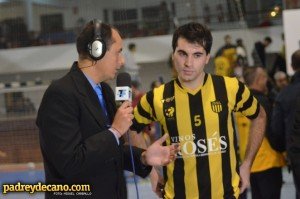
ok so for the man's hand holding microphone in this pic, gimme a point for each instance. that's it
(156, 154)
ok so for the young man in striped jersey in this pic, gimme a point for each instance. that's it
(195, 109)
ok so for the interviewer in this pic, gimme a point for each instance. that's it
(80, 127)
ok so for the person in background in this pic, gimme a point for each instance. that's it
(259, 52)
(284, 113)
(81, 130)
(136, 92)
(195, 109)
(280, 62)
(281, 81)
(295, 148)
(266, 173)
(227, 46)
(130, 65)
(225, 59)
(241, 53)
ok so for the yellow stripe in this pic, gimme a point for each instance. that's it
(211, 121)
(234, 175)
(252, 109)
(145, 105)
(158, 105)
(184, 128)
(232, 86)
(232, 89)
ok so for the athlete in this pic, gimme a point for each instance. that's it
(195, 109)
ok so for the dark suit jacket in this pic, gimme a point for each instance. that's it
(295, 135)
(76, 144)
(284, 113)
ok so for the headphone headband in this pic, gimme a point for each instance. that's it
(97, 28)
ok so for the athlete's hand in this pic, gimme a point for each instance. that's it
(244, 177)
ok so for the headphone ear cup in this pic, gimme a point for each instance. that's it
(97, 49)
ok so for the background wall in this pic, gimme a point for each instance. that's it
(149, 50)
(292, 34)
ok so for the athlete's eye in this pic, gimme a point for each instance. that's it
(198, 55)
(181, 53)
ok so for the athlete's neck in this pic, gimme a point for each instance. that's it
(193, 84)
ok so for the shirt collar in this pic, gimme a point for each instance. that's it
(93, 84)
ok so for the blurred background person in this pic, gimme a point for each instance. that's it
(284, 113)
(266, 173)
(226, 57)
(280, 82)
(130, 65)
(241, 53)
(295, 148)
(259, 52)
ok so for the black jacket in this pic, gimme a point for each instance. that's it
(284, 112)
(76, 144)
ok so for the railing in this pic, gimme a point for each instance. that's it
(151, 27)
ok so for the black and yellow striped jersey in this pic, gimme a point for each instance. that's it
(202, 122)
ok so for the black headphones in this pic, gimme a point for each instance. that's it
(97, 47)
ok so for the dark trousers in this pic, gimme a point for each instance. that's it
(266, 184)
(295, 166)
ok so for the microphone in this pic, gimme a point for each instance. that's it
(123, 88)
(124, 93)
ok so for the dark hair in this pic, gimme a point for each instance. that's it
(239, 42)
(135, 84)
(87, 35)
(193, 33)
(249, 74)
(131, 46)
(296, 60)
(268, 39)
(154, 84)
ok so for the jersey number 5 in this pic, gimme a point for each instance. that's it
(197, 120)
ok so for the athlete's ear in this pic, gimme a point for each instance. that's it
(207, 58)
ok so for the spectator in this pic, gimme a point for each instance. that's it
(284, 114)
(130, 65)
(259, 52)
(241, 53)
(227, 46)
(280, 62)
(228, 51)
(136, 92)
(281, 81)
(266, 173)
(295, 148)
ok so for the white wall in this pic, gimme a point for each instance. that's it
(149, 50)
(291, 34)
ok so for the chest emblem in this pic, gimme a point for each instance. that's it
(216, 106)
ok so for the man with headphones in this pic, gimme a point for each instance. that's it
(81, 129)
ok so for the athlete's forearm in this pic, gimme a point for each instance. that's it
(256, 135)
